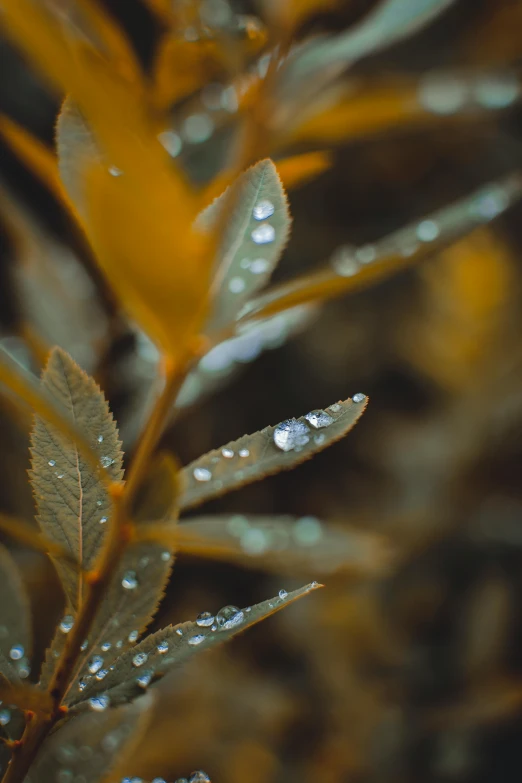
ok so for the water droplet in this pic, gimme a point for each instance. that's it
(227, 453)
(314, 584)
(213, 627)
(100, 438)
(52, 463)
(244, 453)
(236, 285)
(5, 717)
(85, 644)
(95, 664)
(99, 703)
(199, 777)
(114, 171)
(202, 474)
(119, 644)
(163, 647)
(291, 434)
(103, 520)
(254, 541)
(490, 203)
(159, 780)
(102, 674)
(165, 556)
(16, 652)
(67, 623)
(366, 254)
(144, 679)
(82, 684)
(106, 646)
(196, 639)
(359, 397)
(497, 91)
(259, 266)
(129, 580)
(335, 408)
(198, 128)
(427, 230)
(59, 475)
(319, 419)
(229, 617)
(307, 531)
(139, 659)
(244, 263)
(99, 502)
(237, 525)
(263, 234)
(179, 631)
(283, 594)
(344, 262)
(24, 670)
(171, 142)
(263, 209)
(143, 562)
(204, 619)
(442, 94)
(133, 636)
(107, 461)
(248, 609)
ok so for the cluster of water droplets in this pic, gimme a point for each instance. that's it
(195, 777)
(447, 94)
(204, 474)
(257, 540)
(294, 434)
(17, 656)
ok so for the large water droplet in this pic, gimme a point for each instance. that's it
(229, 617)
(263, 234)
(196, 639)
(99, 703)
(263, 209)
(67, 623)
(319, 419)
(101, 675)
(16, 652)
(95, 664)
(204, 619)
(129, 580)
(283, 594)
(139, 659)
(107, 461)
(165, 556)
(291, 434)
(163, 647)
(359, 397)
(227, 453)
(144, 679)
(244, 453)
(202, 474)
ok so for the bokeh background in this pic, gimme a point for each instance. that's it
(414, 674)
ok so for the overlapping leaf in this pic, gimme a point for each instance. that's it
(253, 457)
(89, 747)
(256, 233)
(15, 619)
(73, 508)
(280, 544)
(160, 652)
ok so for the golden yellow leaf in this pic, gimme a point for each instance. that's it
(300, 169)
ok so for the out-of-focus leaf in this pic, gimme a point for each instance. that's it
(30, 536)
(89, 747)
(280, 544)
(159, 491)
(73, 508)
(253, 457)
(15, 618)
(354, 268)
(300, 169)
(193, 63)
(255, 235)
(160, 652)
(291, 13)
(25, 697)
(76, 145)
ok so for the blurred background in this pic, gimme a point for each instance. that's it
(410, 675)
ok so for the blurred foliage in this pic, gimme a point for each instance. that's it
(407, 675)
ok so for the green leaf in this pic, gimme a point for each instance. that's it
(258, 204)
(73, 507)
(253, 457)
(280, 544)
(15, 619)
(160, 652)
(89, 747)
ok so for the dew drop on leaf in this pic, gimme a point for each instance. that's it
(263, 209)
(236, 285)
(133, 636)
(360, 397)
(427, 230)
(139, 659)
(16, 652)
(291, 433)
(179, 631)
(283, 594)
(227, 453)
(144, 679)
(99, 703)
(129, 580)
(229, 617)
(259, 266)
(95, 664)
(106, 646)
(67, 623)
(202, 474)
(199, 777)
(52, 463)
(163, 647)
(204, 619)
(5, 717)
(319, 419)
(196, 639)
(100, 438)
(101, 675)
(107, 461)
(263, 234)
(244, 453)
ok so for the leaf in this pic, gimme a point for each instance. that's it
(281, 544)
(176, 645)
(253, 457)
(75, 145)
(89, 747)
(300, 169)
(160, 488)
(352, 269)
(259, 209)
(73, 509)
(27, 534)
(127, 608)
(15, 619)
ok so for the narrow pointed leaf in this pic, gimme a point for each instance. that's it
(73, 508)
(15, 618)
(89, 747)
(280, 544)
(174, 645)
(76, 146)
(160, 488)
(256, 233)
(253, 457)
